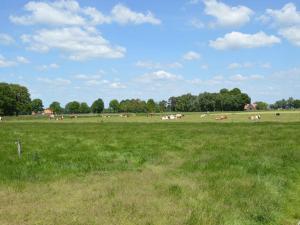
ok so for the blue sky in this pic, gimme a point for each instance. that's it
(83, 50)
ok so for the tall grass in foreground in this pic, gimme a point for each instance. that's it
(155, 173)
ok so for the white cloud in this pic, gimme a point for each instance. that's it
(237, 40)
(193, 2)
(87, 77)
(5, 39)
(124, 15)
(48, 67)
(23, 60)
(117, 85)
(6, 63)
(240, 65)
(52, 13)
(227, 16)
(191, 56)
(69, 12)
(287, 19)
(286, 16)
(55, 82)
(156, 65)
(77, 43)
(197, 23)
(292, 34)
(239, 77)
(159, 75)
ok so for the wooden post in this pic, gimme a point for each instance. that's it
(19, 149)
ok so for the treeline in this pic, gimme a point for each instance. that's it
(15, 100)
(286, 104)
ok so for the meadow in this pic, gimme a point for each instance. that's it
(141, 170)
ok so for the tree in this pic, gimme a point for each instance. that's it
(23, 101)
(37, 105)
(97, 106)
(151, 106)
(84, 108)
(261, 105)
(114, 105)
(297, 103)
(7, 100)
(73, 107)
(162, 105)
(14, 99)
(56, 108)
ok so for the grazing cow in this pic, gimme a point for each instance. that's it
(51, 117)
(165, 118)
(222, 118)
(256, 117)
(277, 114)
(179, 116)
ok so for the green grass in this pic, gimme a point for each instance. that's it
(88, 172)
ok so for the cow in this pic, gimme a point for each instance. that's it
(256, 117)
(51, 117)
(277, 114)
(0, 118)
(203, 115)
(179, 116)
(222, 118)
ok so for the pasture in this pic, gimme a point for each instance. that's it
(141, 170)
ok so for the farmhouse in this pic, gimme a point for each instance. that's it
(250, 107)
(48, 112)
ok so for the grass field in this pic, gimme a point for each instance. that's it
(141, 171)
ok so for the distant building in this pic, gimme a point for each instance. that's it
(48, 112)
(250, 107)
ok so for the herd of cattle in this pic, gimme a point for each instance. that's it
(166, 117)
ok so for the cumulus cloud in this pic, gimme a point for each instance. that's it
(69, 12)
(117, 85)
(227, 16)
(123, 15)
(77, 43)
(292, 34)
(237, 40)
(23, 60)
(6, 63)
(46, 67)
(54, 82)
(240, 65)
(287, 20)
(159, 75)
(6, 39)
(239, 77)
(286, 16)
(191, 56)
(157, 65)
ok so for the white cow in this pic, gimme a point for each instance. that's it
(203, 115)
(165, 118)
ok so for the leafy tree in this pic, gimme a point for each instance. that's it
(97, 106)
(162, 106)
(14, 99)
(7, 100)
(114, 105)
(37, 105)
(56, 108)
(297, 104)
(151, 106)
(73, 107)
(172, 104)
(23, 101)
(84, 108)
(186, 103)
(261, 105)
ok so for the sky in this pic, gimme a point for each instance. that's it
(65, 50)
